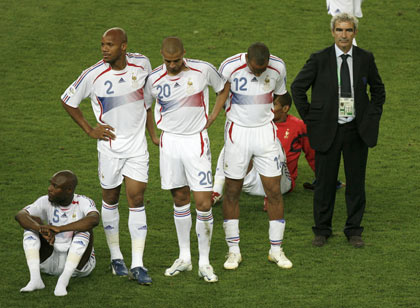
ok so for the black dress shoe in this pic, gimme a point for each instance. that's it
(356, 241)
(319, 240)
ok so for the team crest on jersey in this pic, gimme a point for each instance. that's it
(190, 87)
(267, 84)
(71, 91)
(286, 134)
(135, 82)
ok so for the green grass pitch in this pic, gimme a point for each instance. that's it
(46, 44)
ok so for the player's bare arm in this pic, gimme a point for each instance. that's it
(151, 127)
(87, 223)
(102, 132)
(220, 101)
(35, 224)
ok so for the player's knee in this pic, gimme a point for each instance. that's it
(135, 201)
(204, 205)
(31, 240)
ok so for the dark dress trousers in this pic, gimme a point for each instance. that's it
(330, 139)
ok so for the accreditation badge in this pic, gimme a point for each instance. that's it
(346, 107)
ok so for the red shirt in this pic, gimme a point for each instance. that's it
(293, 137)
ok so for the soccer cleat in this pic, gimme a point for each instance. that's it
(265, 204)
(140, 274)
(280, 259)
(340, 184)
(118, 267)
(207, 273)
(233, 260)
(178, 266)
(216, 197)
(310, 186)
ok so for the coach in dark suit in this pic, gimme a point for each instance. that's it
(340, 119)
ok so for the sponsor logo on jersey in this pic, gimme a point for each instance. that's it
(121, 80)
(254, 79)
(177, 85)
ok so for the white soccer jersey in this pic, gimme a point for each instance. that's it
(117, 99)
(60, 215)
(250, 100)
(182, 101)
(353, 7)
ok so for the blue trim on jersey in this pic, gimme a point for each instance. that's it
(204, 62)
(274, 58)
(92, 68)
(135, 55)
(224, 64)
(157, 69)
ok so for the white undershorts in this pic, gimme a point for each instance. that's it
(185, 160)
(54, 264)
(257, 143)
(253, 185)
(111, 171)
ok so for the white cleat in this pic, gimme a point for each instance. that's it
(207, 272)
(280, 259)
(233, 260)
(33, 285)
(178, 266)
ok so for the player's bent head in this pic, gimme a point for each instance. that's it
(172, 45)
(259, 53)
(344, 17)
(118, 33)
(66, 179)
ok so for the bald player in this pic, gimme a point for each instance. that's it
(115, 86)
(180, 87)
(58, 236)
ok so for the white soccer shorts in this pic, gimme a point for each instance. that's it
(185, 160)
(111, 171)
(257, 143)
(54, 265)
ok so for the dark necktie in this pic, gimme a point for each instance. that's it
(345, 77)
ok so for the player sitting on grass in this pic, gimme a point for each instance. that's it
(58, 237)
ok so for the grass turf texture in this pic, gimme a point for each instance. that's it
(45, 46)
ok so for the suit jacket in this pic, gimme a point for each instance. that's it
(321, 114)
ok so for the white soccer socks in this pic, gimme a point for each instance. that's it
(204, 230)
(275, 233)
(138, 230)
(78, 247)
(183, 223)
(110, 221)
(31, 246)
(231, 227)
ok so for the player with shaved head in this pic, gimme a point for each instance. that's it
(115, 86)
(180, 87)
(58, 236)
